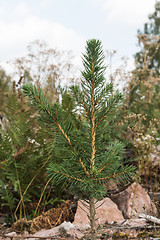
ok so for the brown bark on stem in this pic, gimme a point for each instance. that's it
(92, 218)
(93, 119)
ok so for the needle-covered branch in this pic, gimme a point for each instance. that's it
(49, 114)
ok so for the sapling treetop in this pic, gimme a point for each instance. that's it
(91, 158)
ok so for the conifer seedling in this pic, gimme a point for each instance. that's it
(91, 158)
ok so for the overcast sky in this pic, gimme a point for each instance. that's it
(67, 24)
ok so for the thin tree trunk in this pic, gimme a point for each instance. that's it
(92, 218)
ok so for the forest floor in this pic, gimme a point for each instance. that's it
(105, 232)
(64, 212)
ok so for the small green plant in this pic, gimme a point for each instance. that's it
(90, 157)
(23, 160)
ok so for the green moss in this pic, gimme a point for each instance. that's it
(146, 233)
(118, 235)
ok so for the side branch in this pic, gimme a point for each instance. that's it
(85, 107)
(62, 131)
(69, 141)
(56, 122)
(69, 176)
(84, 168)
(44, 108)
(105, 113)
(108, 163)
(60, 128)
(103, 94)
(113, 176)
(104, 167)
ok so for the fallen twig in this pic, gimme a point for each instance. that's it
(26, 237)
(150, 218)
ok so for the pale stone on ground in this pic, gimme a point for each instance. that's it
(107, 212)
(134, 201)
(53, 231)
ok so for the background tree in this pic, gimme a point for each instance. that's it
(89, 162)
(152, 33)
(46, 67)
(5, 84)
(140, 116)
(144, 87)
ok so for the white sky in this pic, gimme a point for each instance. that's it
(67, 24)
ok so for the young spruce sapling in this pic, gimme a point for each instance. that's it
(89, 162)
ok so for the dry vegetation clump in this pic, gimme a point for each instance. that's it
(47, 220)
